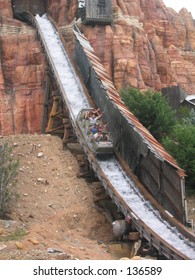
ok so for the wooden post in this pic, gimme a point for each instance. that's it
(53, 113)
(67, 129)
(46, 101)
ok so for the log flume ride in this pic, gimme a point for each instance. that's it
(171, 238)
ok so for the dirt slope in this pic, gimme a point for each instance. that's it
(54, 215)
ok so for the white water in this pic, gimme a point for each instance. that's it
(142, 208)
(73, 91)
(77, 100)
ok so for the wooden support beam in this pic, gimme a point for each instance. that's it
(59, 122)
(46, 101)
(53, 112)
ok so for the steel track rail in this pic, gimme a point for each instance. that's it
(163, 246)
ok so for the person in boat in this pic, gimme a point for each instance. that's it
(101, 127)
(94, 128)
(93, 119)
(100, 135)
(95, 111)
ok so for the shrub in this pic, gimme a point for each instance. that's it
(8, 173)
(181, 145)
(176, 135)
(151, 109)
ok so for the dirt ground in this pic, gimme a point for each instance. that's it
(54, 216)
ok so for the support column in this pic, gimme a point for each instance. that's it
(46, 103)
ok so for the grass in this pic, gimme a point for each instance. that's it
(14, 236)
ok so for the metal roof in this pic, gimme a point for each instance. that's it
(100, 70)
(190, 99)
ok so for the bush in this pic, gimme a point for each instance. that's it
(188, 117)
(181, 145)
(177, 136)
(8, 173)
(151, 109)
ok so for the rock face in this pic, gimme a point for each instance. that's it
(62, 11)
(22, 75)
(147, 46)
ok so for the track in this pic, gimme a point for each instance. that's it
(167, 235)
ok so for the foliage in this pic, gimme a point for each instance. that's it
(188, 118)
(181, 144)
(183, 112)
(151, 109)
(176, 135)
(8, 173)
(16, 235)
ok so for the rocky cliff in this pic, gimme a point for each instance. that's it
(147, 46)
(22, 75)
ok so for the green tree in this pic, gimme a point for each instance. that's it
(151, 109)
(8, 173)
(181, 145)
(189, 118)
